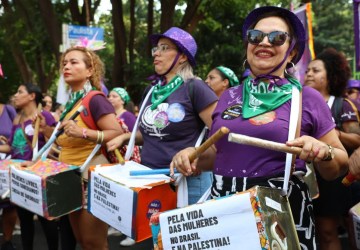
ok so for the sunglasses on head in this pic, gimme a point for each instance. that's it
(276, 38)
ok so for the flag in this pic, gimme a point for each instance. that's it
(304, 14)
(356, 4)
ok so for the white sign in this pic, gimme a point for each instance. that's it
(223, 224)
(26, 190)
(111, 203)
(111, 198)
(4, 181)
(356, 224)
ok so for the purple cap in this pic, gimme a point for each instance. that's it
(298, 27)
(353, 84)
(182, 39)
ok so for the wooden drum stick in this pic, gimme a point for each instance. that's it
(36, 129)
(210, 141)
(253, 141)
(248, 140)
(119, 157)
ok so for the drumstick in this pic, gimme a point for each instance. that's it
(210, 141)
(119, 157)
(253, 141)
(354, 160)
(247, 140)
(348, 179)
(37, 125)
(165, 171)
(198, 151)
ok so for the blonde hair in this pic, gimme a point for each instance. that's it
(92, 61)
(185, 71)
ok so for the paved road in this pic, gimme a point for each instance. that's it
(40, 243)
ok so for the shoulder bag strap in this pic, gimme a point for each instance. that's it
(131, 144)
(354, 108)
(294, 131)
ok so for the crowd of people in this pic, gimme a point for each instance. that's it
(178, 107)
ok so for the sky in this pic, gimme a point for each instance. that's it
(105, 6)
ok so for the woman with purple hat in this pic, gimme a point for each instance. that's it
(178, 107)
(260, 107)
(353, 92)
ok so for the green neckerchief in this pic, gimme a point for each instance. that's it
(258, 99)
(74, 98)
(160, 93)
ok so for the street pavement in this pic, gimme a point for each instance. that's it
(40, 243)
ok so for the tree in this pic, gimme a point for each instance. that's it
(333, 26)
(32, 32)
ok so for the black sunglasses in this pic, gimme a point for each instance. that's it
(276, 38)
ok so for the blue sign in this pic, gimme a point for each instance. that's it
(91, 33)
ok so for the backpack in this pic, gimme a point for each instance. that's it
(338, 105)
(88, 119)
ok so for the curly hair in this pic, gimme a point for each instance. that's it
(338, 71)
(92, 60)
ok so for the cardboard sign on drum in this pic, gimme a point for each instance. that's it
(4, 174)
(48, 188)
(127, 202)
(257, 219)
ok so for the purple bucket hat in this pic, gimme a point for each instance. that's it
(182, 39)
(298, 27)
(353, 84)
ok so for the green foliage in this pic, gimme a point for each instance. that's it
(333, 25)
(218, 35)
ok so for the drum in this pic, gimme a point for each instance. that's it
(48, 188)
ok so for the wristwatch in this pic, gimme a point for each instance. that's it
(330, 154)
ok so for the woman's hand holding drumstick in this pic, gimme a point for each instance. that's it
(247, 140)
(253, 141)
(119, 157)
(183, 159)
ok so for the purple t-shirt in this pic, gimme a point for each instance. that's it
(236, 160)
(346, 114)
(6, 120)
(21, 144)
(129, 119)
(174, 124)
(99, 105)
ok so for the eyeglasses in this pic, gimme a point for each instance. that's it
(352, 91)
(161, 48)
(276, 38)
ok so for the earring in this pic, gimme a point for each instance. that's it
(87, 86)
(293, 67)
(244, 64)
